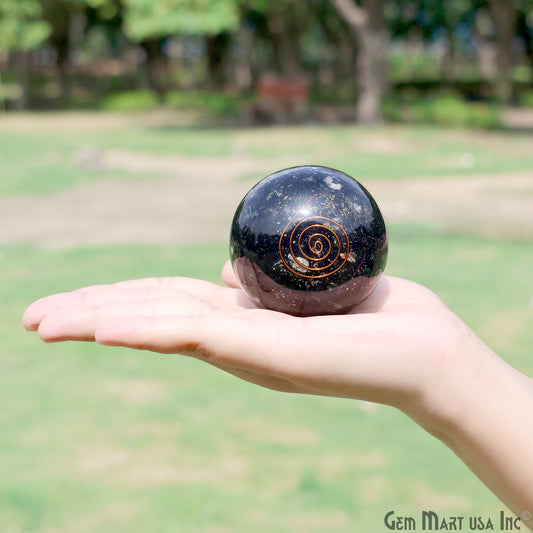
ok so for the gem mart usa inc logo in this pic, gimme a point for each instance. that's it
(433, 521)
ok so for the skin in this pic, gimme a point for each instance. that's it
(402, 347)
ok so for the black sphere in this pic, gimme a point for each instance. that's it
(307, 241)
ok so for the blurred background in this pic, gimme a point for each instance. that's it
(271, 60)
(129, 132)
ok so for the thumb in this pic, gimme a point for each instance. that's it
(228, 276)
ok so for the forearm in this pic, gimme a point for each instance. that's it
(488, 423)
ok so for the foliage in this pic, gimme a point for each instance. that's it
(431, 18)
(21, 26)
(230, 44)
(450, 110)
(526, 99)
(141, 100)
(210, 103)
(444, 110)
(146, 18)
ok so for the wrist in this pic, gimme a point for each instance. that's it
(480, 407)
(463, 375)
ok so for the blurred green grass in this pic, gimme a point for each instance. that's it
(113, 440)
(36, 161)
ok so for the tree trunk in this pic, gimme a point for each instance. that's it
(370, 76)
(526, 35)
(63, 51)
(447, 62)
(58, 14)
(242, 59)
(505, 15)
(217, 50)
(21, 64)
(367, 23)
(285, 33)
(485, 47)
(337, 73)
(153, 64)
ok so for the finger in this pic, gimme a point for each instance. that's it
(88, 296)
(222, 338)
(80, 322)
(38, 309)
(62, 325)
(238, 341)
(241, 346)
(223, 297)
(179, 336)
(228, 276)
(193, 285)
(332, 356)
(129, 291)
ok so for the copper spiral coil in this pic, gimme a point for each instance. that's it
(328, 247)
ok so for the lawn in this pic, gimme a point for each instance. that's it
(45, 154)
(104, 440)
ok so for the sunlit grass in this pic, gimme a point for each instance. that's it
(73, 151)
(115, 440)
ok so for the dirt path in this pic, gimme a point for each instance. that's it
(195, 200)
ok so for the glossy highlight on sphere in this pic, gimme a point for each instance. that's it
(308, 240)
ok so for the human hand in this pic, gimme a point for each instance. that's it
(394, 348)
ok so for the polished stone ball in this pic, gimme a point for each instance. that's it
(307, 241)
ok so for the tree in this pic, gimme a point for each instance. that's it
(149, 23)
(447, 18)
(367, 23)
(58, 14)
(505, 16)
(21, 30)
(282, 26)
(146, 18)
(525, 27)
(334, 51)
(20, 25)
